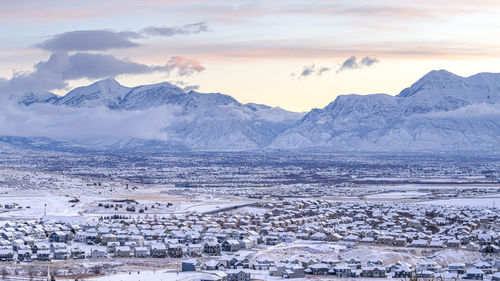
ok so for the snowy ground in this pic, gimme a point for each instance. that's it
(478, 202)
(160, 275)
(397, 195)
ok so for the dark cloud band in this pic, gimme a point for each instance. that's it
(61, 67)
(100, 40)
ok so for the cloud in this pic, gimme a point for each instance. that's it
(368, 61)
(349, 63)
(184, 66)
(89, 40)
(307, 70)
(101, 40)
(61, 67)
(193, 28)
(59, 122)
(482, 110)
(352, 63)
(191, 88)
(322, 69)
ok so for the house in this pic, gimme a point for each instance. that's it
(484, 266)
(419, 243)
(425, 274)
(230, 246)
(351, 238)
(77, 253)
(43, 255)
(343, 270)
(295, 271)
(490, 249)
(91, 238)
(474, 274)
(212, 248)
(6, 255)
(427, 266)
(122, 251)
(272, 240)
(175, 251)
(141, 252)
(158, 250)
(111, 246)
(402, 272)
(495, 277)
(239, 262)
(238, 275)
(194, 250)
(98, 253)
(61, 254)
(436, 244)
(24, 255)
(191, 265)
(400, 242)
(213, 265)
(354, 263)
(17, 243)
(277, 270)
(262, 264)
(318, 269)
(484, 239)
(386, 239)
(457, 267)
(453, 243)
(58, 236)
(377, 272)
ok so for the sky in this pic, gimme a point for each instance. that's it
(297, 55)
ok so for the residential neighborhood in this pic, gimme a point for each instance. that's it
(232, 245)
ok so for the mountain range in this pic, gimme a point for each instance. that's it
(439, 112)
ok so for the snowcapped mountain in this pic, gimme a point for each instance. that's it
(33, 98)
(210, 121)
(106, 92)
(441, 111)
(443, 90)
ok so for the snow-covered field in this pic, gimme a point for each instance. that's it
(34, 205)
(397, 195)
(160, 275)
(478, 202)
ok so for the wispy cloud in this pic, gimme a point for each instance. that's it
(353, 63)
(193, 28)
(191, 88)
(308, 70)
(183, 66)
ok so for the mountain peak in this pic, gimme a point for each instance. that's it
(435, 79)
(439, 73)
(107, 83)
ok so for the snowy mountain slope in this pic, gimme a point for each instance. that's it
(211, 121)
(443, 90)
(106, 92)
(441, 111)
(34, 98)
